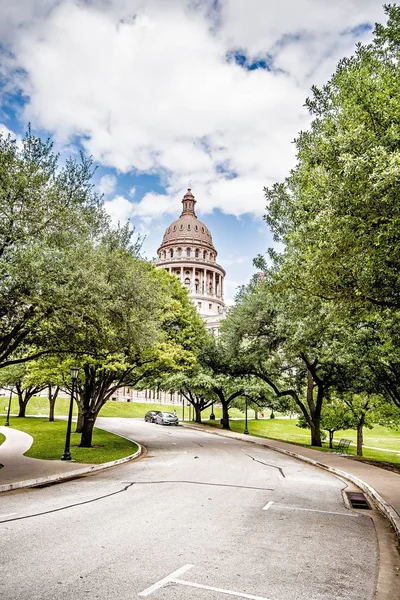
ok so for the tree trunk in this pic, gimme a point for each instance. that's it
(22, 402)
(315, 411)
(315, 432)
(256, 415)
(225, 416)
(331, 438)
(87, 432)
(52, 401)
(360, 436)
(197, 409)
(79, 421)
(22, 410)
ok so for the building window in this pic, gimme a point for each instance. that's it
(164, 254)
(188, 227)
(202, 229)
(204, 254)
(196, 283)
(187, 272)
(179, 252)
(187, 281)
(171, 253)
(196, 253)
(187, 251)
(181, 227)
(174, 227)
(196, 227)
(210, 306)
(199, 304)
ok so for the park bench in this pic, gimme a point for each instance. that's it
(343, 446)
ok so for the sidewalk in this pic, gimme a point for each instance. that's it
(382, 486)
(19, 471)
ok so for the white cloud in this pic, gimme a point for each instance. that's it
(5, 131)
(132, 192)
(119, 209)
(107, 184)
(147, 86)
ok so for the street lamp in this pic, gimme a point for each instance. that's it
(246, 393)
(212, 416)
(7, 423)
(74, 377)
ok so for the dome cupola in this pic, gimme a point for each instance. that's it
(187, 251)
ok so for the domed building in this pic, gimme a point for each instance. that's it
(187, 251)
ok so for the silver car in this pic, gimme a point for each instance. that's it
(166, 418)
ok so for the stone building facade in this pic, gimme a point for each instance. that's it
(187, 251)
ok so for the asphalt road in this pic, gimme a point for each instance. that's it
(200, 517)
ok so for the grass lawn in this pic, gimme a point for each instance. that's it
(39, 405)
(287, 431)
(379, 438)
(49, 442)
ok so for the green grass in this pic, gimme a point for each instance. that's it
(40, 406)
(287, 431)
(2, 438)
(380, 438)
(49, 441)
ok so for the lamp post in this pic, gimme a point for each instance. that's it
(212, 416)
(246, 392)
(7, 423)
(74, 376)
(183, 406)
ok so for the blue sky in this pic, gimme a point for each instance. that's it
(166, 92)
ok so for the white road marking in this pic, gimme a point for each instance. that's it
(165, 580)
(8, 515)
(266, 507)
(327, 512)
(221, 590)
(173, 578)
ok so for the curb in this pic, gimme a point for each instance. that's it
(384, 507)
(7, 487)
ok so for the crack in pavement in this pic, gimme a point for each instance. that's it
(267, 465)
(130, 484)
(54, 510)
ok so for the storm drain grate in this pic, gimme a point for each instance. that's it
(358, 500)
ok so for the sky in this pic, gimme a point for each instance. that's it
(167, 94)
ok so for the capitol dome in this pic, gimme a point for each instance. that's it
(188, 229)
(187, 251)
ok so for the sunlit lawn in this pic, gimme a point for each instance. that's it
(279, 428)
(39, 405)
(286, 430)
(49, 441)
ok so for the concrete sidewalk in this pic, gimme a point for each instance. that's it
(380, 485)
(19, 471)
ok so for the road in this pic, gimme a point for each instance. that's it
(199, 517)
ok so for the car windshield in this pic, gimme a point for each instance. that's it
(164, 414)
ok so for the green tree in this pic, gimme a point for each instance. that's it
(195, 386)
(290, 342)
(146, 326)
(50, 214)
(18, 376)
(338, 211)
